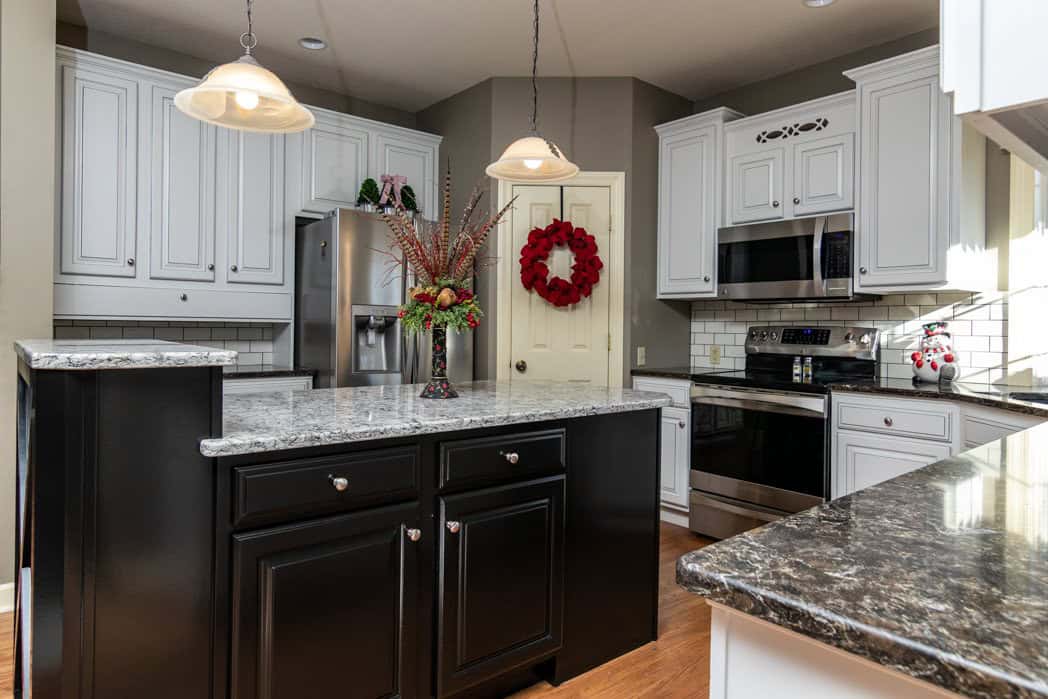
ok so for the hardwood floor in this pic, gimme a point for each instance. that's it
(677, 665)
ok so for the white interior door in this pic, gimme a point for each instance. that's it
(569, 343)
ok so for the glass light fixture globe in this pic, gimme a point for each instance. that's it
(243, 95)
(532, 159)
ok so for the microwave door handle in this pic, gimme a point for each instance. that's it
(816, 253)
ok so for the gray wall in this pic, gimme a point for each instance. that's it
(77, 37)
(813, 81)
(603, 124)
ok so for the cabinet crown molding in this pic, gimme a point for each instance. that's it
(719, 115)
(921, 59)
(846, 98)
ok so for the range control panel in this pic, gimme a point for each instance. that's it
(824, 341)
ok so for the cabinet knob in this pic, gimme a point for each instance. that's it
(706, 278)
(454, 527)
(682, 424)
(796, 200)
(183, 297)
(862, 270)
(775, 204)
(211, 267)
(130, 262)
(233, 268)
(340, 482)
(888, 422)
(414, 534)
(511, 456)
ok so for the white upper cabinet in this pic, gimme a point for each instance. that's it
(180, 208)
(992, 62)
(921, 214)
(691, 172)
(824, 175)
(334, 162)
(756, 186)
(256, 227)
(795, 161)
(161, 216)
(414, 156)
(98, 120)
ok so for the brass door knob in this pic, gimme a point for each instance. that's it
(521, 366)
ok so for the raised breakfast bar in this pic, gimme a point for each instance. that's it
(355, 542)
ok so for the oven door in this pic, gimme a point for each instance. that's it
(760, 449)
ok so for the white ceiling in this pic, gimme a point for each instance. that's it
(412, 53)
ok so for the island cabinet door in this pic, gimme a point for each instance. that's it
(327, 608)
(501, 580)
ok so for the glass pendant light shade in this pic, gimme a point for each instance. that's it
(532, 159)
(243, 95)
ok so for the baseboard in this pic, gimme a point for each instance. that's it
(674, 517)
(7, 597)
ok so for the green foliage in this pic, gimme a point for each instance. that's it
(369, 193)
(423, 311)
(407, 198)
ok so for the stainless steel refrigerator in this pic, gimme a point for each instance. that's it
(346, 295)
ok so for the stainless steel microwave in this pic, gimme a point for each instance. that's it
(805, 258)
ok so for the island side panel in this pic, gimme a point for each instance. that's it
(122, 500)
(612, 539)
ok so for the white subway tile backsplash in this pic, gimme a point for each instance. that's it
(978, 324)
(254, 341)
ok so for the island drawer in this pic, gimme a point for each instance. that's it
(322, 485)
(486, 460)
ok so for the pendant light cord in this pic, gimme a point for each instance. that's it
(248, 39)
(534, 73)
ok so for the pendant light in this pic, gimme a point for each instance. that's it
(533, 158)
(245, 96)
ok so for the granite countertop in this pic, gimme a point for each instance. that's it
(256, 371)
(985, 394)
(118, 354)
(940, 574)
(262, 422)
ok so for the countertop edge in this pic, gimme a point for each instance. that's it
(853, 637)
(236, 446)
(87, 359)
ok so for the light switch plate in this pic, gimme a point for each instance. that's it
(642, 356)
(715, 352)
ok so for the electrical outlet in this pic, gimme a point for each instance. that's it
(715, 352)
(642, 356)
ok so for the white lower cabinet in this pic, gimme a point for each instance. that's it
(981, 425)
(863, 459)
(674, 439)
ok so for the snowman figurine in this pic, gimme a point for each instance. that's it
(935, 361)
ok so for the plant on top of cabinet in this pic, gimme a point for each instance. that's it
(922, 179)
(792, 162)
(368, 193)
(691, 172)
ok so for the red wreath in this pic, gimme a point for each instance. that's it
(584, 273)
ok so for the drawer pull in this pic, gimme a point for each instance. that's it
(682, 424)
(454, 527)
(414, 534)
(511, 456)
(340, 482)
(888, 422)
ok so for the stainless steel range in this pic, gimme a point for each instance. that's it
(759, 436)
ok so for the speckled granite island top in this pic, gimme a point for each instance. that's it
(89, 355)
(941, 574)
(261, 422)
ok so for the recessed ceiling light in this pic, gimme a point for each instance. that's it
(818, 3)
(312, 43)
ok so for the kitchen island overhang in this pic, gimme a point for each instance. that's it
(468, 552)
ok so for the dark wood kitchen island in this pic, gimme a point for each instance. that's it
(332, 543)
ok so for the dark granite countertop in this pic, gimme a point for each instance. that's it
(985, 394)
(940, 574)
(256, 371)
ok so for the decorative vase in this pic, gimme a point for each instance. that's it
(439, 386)
(368, 207)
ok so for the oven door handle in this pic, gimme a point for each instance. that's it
(761, 406)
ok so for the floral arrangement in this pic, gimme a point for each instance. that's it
(585, 272)
(442, 260)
